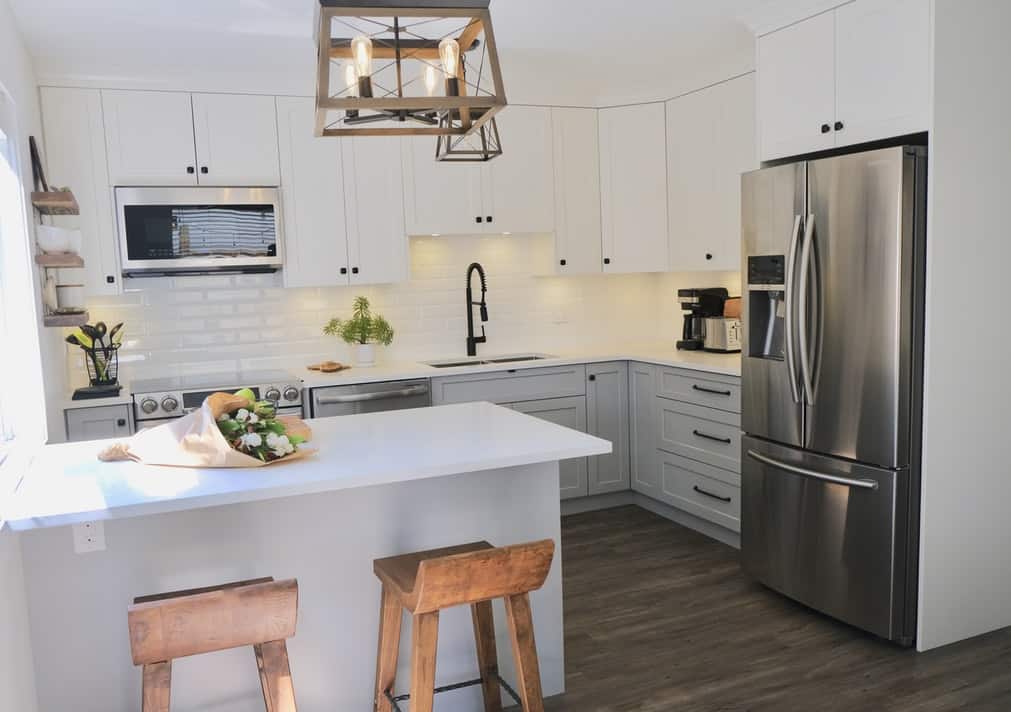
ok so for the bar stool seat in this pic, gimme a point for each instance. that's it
(260, 613)
(425, 582)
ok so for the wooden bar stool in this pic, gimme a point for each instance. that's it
(425, 582)
(260, 613)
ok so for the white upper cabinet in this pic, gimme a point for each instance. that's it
(518, 189)
(796, 88)
(882, 69)
(710, 142)
(74, 152)
(850, 75)
(236, 139)
(373, 193)
(174, 138)
(511, 193)
(633, 185)
(577, 191)
(149, 135)
(312, 189)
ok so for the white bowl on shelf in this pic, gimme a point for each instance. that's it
(54, 239)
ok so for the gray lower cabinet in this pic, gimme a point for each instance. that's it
(708, 492)
(511, 386)
(570, 412)
(607, 418)
(107, 421)
(705, 434)
(644, 428)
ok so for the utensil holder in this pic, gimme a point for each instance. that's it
(103, 365)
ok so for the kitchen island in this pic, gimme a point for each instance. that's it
(380, 484)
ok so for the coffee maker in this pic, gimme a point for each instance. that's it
(699, 305)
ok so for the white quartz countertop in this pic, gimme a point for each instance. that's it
(661, 355)
(67, 484)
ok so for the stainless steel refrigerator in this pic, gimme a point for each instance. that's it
(832, 358)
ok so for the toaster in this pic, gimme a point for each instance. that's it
(723, 334)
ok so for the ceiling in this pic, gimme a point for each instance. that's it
(578, 52)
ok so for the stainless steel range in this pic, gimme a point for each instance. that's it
(159, 399)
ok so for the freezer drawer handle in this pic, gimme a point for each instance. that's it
(700, 434)
(696, 387)
(379, 395)
(803, 472)
(710, 494)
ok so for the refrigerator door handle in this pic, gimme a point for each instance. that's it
(813, 474)
(802, 297)
(788, 287)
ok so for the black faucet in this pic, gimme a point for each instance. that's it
(473, 341)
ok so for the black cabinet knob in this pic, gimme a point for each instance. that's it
(191, 170)
(561, 262)
(489, 218)
(709, 255)
(203, 169)
(121, 423)
(109, 279)
(344, 270)
(591, 377)
(607, 260)
(354, 270)
(825, 128)
(478, 219)
(839, 126)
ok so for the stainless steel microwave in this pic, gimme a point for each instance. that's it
(197, 230)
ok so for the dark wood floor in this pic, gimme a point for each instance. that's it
(658, 617)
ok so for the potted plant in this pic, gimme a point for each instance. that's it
(364, 330)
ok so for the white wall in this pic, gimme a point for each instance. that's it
(965, 570)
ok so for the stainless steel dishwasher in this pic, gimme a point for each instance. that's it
(370, 398)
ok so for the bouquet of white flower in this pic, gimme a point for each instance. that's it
(253, 430)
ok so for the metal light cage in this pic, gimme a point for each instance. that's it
(481, 145)
(396, 100)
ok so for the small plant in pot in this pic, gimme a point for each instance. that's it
(363, 330)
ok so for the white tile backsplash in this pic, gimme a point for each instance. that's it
(224, 323)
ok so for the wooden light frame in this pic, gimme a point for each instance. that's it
(445, 115)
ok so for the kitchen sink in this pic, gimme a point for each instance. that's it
(515, 358)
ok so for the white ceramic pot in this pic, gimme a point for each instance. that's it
(58, 239)
(70, 297)
(365, 355)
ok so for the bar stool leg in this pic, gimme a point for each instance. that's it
(275, 676)
(156, 687)
(487, 656)
(521, 631)
(424, 644)
(390, 617)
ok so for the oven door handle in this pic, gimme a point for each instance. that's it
(813, 474)
(377, 395)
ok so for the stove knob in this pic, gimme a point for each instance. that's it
(149, 405)
(273, 395)
(169, 404)
(291, 393)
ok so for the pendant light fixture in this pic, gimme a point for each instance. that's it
(410, 67)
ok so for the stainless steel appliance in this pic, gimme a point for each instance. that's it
(196, 230)
(722, 334)
(370, 398)
(832, 383)
(698, 305)
(158, 400)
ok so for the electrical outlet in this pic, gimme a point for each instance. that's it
(89, 536)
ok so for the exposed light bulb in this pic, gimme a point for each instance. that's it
(351, 79)
(361, 51)
(449, 51)
(431, 79)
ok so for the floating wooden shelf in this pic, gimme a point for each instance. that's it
(55, 202)
(59, 259)
(65, 319)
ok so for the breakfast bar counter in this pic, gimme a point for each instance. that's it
(379, 485)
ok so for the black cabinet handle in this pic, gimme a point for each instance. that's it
(489, 218)
(839, 126)
(344, 270)
(592, 377)
(710, 494)
(478, 219)
(354, 270)
(109, 279)
(121, 423)
(696, 387)
(203, 169)
(709, 255)
(698, 434)
(607, 260)
(191, 170)
(561, 262)
(825, 128)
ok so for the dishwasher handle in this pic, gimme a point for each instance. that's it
(373, 396)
